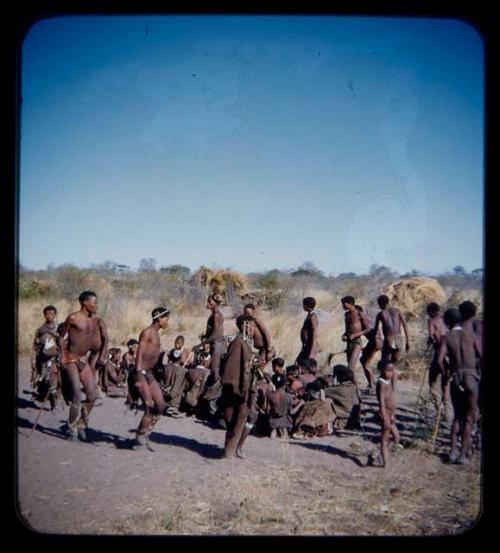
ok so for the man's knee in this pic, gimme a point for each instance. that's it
(92, 396)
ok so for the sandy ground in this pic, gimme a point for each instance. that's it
(320, 486)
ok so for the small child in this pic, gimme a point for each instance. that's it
(278, 365)
(387, 402)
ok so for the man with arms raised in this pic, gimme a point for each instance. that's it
(86, 347)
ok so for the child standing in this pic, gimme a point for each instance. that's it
(387, 403)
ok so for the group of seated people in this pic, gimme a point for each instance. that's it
(291, 401)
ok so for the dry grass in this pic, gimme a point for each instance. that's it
(126, 317)
(284, 499)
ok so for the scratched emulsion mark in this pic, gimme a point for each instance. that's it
(391, 228)
(202, 99)
(198, 98)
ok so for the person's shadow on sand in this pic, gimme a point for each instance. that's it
(209, 451)
(333, 450)
(94, 437)
(22, 403)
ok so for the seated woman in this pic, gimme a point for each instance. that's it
(279, 403)
(196, 379)
(345, 397)
(316, 417)
(174, 375)
(113, 379)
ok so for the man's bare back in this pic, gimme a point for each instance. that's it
(390, 319)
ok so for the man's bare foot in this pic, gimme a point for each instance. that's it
(82, 435)
(240, 454)
(453, 456)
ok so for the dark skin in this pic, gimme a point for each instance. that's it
(387, 410)
(462, 352)
(356, 325)
(86, 333)
(148, 353)
(261, 339)
(371, 349)
(186, 355)
(115, 375)
(129, 356)
(436, 328)
(391, 320)
(474, 327)
(218, 320)
(50, 316)
(249, 328)
(311, 340)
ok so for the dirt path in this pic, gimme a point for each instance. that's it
(318, 486)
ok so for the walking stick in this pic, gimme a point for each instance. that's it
(423, 379)
(40, 410)
(436, 429)
(332, 355)
(420, 394)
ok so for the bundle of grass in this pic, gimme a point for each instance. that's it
(412, 293)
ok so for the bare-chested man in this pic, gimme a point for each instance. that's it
(86, 347)
(462, 349)
(309, 331)
(148, 354)
(44, 369)
(391, 320)
(372, 347)
(262, 338)
(475, 327)
(437, 379)
(356, 325)
(214, 335)
(236, 380)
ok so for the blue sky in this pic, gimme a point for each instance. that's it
(253, 142)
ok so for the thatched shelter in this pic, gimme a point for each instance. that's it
(411, 294)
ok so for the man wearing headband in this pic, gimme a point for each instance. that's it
(86, 347)
(214, 335)
(145, 383)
